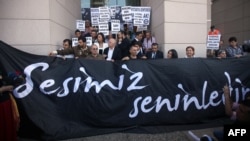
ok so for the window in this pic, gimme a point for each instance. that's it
(98, 3)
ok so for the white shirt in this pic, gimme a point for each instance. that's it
(105, 45)
(153, 54)
(110, 54)
(189, 57)
(148, 43)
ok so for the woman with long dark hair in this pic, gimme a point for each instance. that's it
(172, 53)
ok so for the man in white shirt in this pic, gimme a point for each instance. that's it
(112, 52)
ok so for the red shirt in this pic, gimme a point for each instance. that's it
(214, 32)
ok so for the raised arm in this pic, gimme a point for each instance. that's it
(228, 101)
(6, 88)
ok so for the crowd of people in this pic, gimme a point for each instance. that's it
(119, 47)
(111, 48)
(141, 46)
(144, 46)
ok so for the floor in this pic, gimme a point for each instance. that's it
(171, 136)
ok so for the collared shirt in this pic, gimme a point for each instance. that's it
(110, 53)
(101, 49)
(232, 51)
(153, 55)
(140, 51)
(147, 43)
(189, 57)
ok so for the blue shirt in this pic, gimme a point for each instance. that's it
(232, 51)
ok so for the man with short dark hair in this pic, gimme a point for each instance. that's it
(138, 38)
(154, 53)
(66, 44)
(233, 50)
(214, 31)
(132, 53)
(78, 33)
(124, 45)
(79, 51)
(94, 36)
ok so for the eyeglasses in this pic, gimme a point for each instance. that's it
(95, 48)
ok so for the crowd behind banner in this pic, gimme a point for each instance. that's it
(110, 28)
(137, 89)
(63, 99)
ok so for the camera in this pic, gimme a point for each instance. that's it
(15, 79)
(246, 48)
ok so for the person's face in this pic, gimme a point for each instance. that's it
(81, 43)
(125, 27)
(111, 43)
(154, 48)
(139, 37)
(119, 35)
(169, 55)
(133, 50)
(87, 23)
(148, 36)
(78, 34)
(99, 38)
(221, 42)
(233, 43)
(66, 45)
(189, 52)
(117, 10)
(93, 34)
(222, 55)
(243, 113)
(94, 50)
(137, 47)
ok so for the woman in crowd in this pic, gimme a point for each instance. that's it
(172, 53)
(190, 51)
(101, 43)
(221, 54)
(119, 37)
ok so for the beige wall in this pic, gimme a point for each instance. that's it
(232, 18)
(38, 26)
(180, 23)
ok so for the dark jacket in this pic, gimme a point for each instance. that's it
(159, 55)
(116, 54)
(124, 47)
(77, 51)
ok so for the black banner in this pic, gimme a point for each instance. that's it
(77, 97)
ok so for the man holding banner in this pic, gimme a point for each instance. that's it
(214, 31)
(213, 41)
